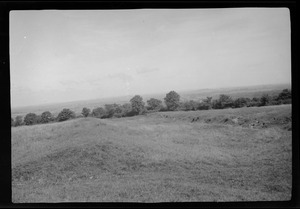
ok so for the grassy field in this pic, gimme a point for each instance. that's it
(217, 155)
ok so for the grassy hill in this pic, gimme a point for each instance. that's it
(217, 155)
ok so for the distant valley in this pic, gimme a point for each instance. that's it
(76, 106)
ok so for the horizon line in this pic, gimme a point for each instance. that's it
(112, 97)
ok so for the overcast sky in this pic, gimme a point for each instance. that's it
(59, 56)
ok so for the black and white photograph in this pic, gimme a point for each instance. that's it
(150, 105)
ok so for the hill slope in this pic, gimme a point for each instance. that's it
(173, 156)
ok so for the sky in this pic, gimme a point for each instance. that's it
(68, 55)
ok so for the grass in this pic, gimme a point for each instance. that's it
(215, 155)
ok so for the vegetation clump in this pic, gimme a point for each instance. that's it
(85, 112)
(154, 105)
(137, 105)
(46, 117)
(66, 114)
(18, 121)
(172, 100)
(98, 112)
(30, 119)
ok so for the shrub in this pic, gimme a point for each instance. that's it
(241, 102)
(38, 119)
(274, 102)
(65, 114)
(118, 112)
(207, 100)
(254, 102)
(18, 121)
(30, 119)
(163, 109)
(98, 112)
(185, 106)
(172, 100)
(285, 94)
(137, 105)
(110, 110)
(264, 100)
(85, 112)
(181, 106)
(190, 105)
(216, 104)
(224, 101)
(286, 101)
(127, 110)
(285, 97)
(46, 117)
(206, 104)
(154, 104)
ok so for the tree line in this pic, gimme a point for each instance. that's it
(172, 102)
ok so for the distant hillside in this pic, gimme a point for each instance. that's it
(234, 92)
(75, 106)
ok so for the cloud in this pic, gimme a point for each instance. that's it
(17, 89)
(146, 70)
(95, 81)
(122, 76)
(69, 83)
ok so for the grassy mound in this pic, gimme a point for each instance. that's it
(155, 158)
(253, 117)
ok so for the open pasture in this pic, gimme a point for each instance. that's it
(240, 154)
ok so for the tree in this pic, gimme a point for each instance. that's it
(194, 104)
(30, 119)
(110, 110)
(241, 102)
(274, 101)
(224, 101)
(206, 104)
(190, 105)
(186, 106)
(254, 102)
(98, 112)
(285, 97)
(264, 100)
(38, 119)
(154, 104)
(118, 111)
(85, 112)
(65, 114)
(207, 100)
(216, 104)
(127, 110)
(12, 122)
(46, 117)
(18, 121)
(172, 100)
(137, 105)
(285, 94)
